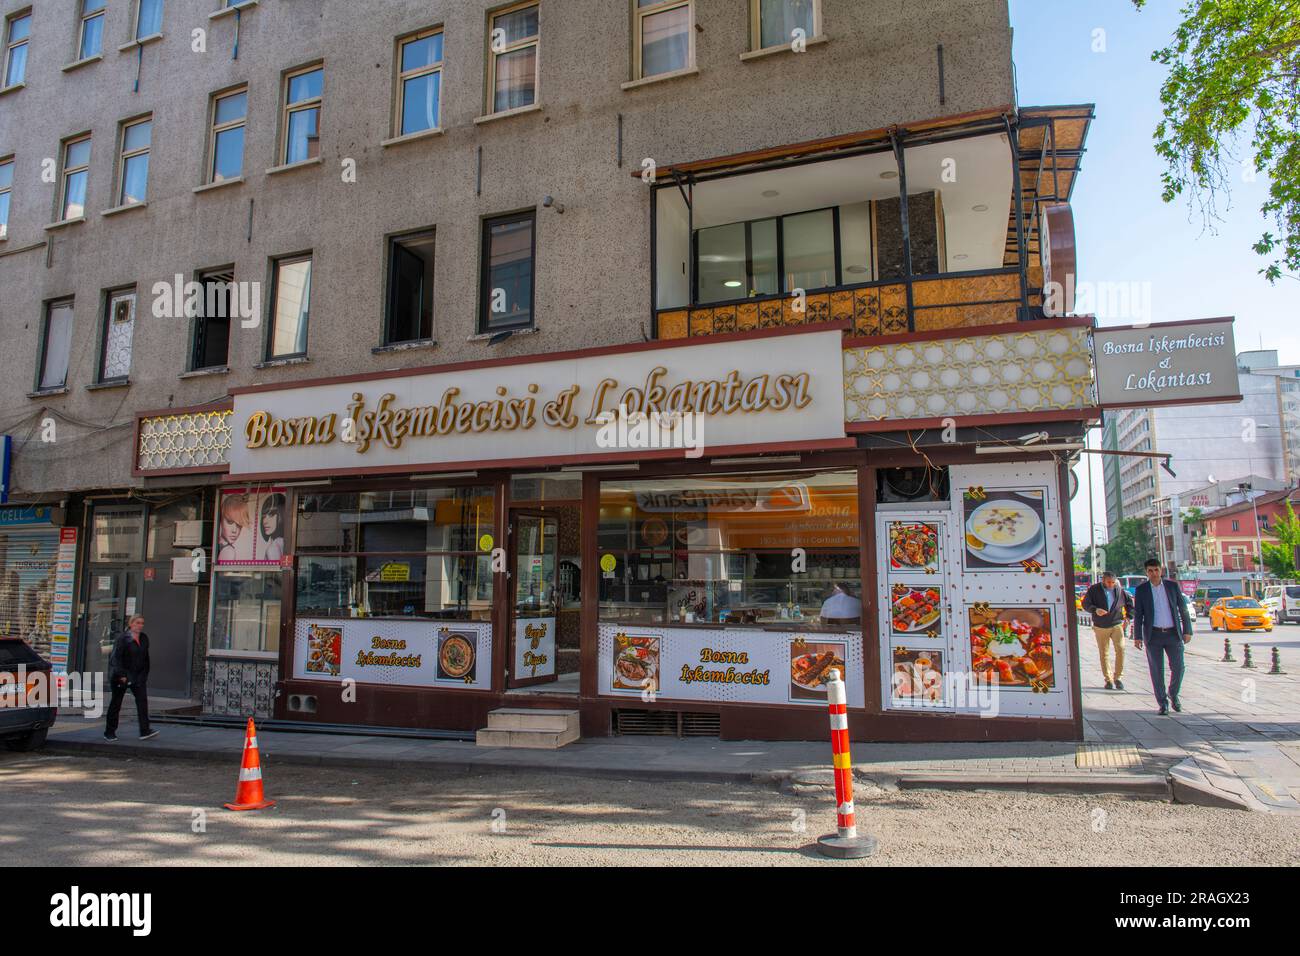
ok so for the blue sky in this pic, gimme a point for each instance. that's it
(1125, 232)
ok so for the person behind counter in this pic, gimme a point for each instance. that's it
(841, 608)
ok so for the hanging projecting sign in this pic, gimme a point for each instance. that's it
(1057, 255)
(699, 398)
(1172, 363)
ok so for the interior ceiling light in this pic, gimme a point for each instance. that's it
(980, 208)
(857, 270)
(961, 255)
(771, 193)
(889, 174)
(732, 284)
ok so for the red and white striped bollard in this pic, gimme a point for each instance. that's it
(845, 844)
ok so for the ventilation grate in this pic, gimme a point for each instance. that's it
(665, 723)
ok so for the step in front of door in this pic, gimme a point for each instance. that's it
(527, 727)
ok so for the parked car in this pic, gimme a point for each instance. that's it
(1283, 602)
(22, 727)
(1240, 613)
(1205, 597)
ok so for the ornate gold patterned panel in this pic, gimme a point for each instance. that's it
(988, 374)
(185, 440)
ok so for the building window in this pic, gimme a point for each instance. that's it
(246, 611)
(1236, 525)
(76, 173)
(56, 345)
(229, 114)
(773, 22)
(92, 29)
(807, 250)
(17, 34)
(148, 19)
(513, 37)
(6, 187)
(506, 296)
(211, 346)
(290, 304)
(133, 173)
(419, 82)
(301, 121)
(665, 40)
(410, 289)
(119, 329)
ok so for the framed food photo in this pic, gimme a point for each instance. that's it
(1012, 647)
(1004, 529)
(916, 677)
(914, 546)
(916, 611)
(636, 663)
(457, 656)
(811, 665)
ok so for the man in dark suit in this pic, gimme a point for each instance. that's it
(1162, 624)
(128, 667)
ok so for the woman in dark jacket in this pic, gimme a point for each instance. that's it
(128, 666)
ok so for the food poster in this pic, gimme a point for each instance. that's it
(916, 677)
(251, 527)
(916, 610)
(404, 653)
(811, 665)
(914, 546)
(1012, 647)
(636, 662)
(1004, 529)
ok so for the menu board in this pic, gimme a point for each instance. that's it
(422, 653)
(916, 608)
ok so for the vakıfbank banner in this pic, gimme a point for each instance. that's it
(765, 391)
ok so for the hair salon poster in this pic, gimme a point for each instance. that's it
(251, 526)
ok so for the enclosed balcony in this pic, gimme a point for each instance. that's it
(821, 231)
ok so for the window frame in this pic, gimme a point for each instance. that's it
(756, 27)
(11, 45)
(65, 172)
(639, 15)
(399, 91)
(8, 190)
(485, 272)
(287, 109)
(492, 56)
(139, 9)
(202, 277)
(123, 155)
(106, 320)
(277, 264)
(215, 129)
(49, 306)
(390, 244)
(85, 18)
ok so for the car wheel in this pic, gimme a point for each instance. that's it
(32, 740)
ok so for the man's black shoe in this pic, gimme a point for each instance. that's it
(1164, 711)
(1109, 685)
(1119, 684)
(1178, 704)
(149, 736)
(110, 736)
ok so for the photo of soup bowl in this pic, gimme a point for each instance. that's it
(1004, 523)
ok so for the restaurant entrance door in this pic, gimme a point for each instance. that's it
(534, 565)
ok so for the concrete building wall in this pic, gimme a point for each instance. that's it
(593, 263)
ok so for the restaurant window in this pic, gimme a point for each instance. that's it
(513, 37)
(506, 294)
(119, 330)
(419, 82)
(246, 607)
(773, 22)
(807, 250)
(395, 553)
(76, 175)
(17, 36)
(148, 19)
(664, 36)
(410, 289)
(229, 116)
(92, 29)
(301, 122)
(56, 345)
(290, 304)
(6, 188)
(133, 172)
(211, 346)
(717, 550)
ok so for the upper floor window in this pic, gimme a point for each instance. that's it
(92, 29)
(133, 173)
(664, 38)
(773, 22)
(229, 115)
(56, 345)
(302, 105)
(506, 295)
(148, 19)
(211, 346)
(119, 330)
(76, 173)
(18, 32)
(419, 82)
(290, 306)
(6, 187)
(410, 288)
(513, 38)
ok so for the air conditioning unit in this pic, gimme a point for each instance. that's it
(188, 534)
(183, 571)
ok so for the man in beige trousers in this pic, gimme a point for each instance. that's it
(1107, 602)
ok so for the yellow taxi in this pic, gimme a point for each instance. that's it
(1240, 613)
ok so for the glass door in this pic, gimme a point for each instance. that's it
(114, 596)
(534, 545)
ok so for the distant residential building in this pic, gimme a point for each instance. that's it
(1175, 524)
(1229, 539)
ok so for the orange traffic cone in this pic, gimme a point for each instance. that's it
(248, 795)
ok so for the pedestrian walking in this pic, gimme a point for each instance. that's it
(1162, 625)
(1108, 604)
(128, 667)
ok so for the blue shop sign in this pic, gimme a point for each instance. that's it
(32, 514)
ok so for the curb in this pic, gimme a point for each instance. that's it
(1189, 784)
(1146, 785)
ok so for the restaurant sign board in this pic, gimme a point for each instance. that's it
(1172, 363)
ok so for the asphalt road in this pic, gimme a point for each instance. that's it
(84, 811)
